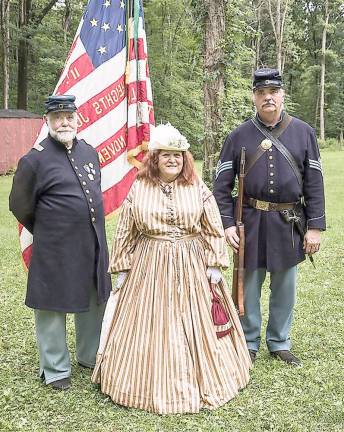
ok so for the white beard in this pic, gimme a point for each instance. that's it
(64, 137)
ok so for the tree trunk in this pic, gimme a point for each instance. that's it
(214, 83)
(26, 19)
(322, 76)
(316, 111)
(257, 39)
(277, 18)
(341, 138)
(278, 36)
(23, 55)
(5, 46)
(66, 21)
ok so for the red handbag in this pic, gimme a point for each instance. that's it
(219, 315)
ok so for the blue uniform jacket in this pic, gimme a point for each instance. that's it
(268, 237)
(56, 195)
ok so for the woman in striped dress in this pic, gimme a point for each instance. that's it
(163, 353)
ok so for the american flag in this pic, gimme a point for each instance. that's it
(107, 70)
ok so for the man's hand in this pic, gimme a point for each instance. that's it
(232, 238)
(311, 242)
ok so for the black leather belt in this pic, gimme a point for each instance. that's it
(269, 206)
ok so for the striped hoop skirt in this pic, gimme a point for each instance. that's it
(162, 354)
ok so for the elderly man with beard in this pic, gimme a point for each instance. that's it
(56, 196)
(283, 208)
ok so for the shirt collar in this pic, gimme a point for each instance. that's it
(271, 127)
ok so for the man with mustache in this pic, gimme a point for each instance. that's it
(283, 209)
(56, 196)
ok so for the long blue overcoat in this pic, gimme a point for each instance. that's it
(56, 195)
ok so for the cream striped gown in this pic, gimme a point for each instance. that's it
(162, 354)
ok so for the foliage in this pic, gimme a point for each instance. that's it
(238, 104)
(175, 43)
(331, 144)
(278, 398)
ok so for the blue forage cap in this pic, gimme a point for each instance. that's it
(60, 103)
(266, 77)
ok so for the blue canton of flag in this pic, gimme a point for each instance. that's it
(103, 32)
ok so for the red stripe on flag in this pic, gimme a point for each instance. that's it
(101, 104)
(137, 91)
(140, 49)
(77, 71)
(114, 146)
(137, 134)
(114, 196)
(26, 254)
(151, 113)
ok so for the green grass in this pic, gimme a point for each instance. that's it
(278, 398)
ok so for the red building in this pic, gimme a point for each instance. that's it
(18, 131)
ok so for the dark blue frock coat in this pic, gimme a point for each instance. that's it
(56, 195)
(269, 242)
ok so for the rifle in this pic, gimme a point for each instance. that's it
(238, 258)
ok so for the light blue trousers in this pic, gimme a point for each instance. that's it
(281, 304)
(54, 356)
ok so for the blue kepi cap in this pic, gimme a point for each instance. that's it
(60, 103)
(266, 77)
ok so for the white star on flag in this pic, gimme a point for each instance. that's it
(112, 67)
(102, 50)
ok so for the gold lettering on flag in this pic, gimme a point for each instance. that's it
(110, 150)
(105, 102)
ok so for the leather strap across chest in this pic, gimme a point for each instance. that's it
(273, 137)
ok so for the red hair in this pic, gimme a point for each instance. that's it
(150, 170)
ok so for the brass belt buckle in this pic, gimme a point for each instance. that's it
(262, 205)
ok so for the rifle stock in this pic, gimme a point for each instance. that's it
(239, 257)
(238, 272)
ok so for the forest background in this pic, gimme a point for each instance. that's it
(202, 54)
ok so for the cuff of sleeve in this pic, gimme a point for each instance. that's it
(317, 223)
(217, 261)
(227, 221)
(124, 267)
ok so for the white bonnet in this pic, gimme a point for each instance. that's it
(167, 137)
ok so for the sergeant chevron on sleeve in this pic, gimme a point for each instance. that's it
(284, 207)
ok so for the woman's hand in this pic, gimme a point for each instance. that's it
(214, 275)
